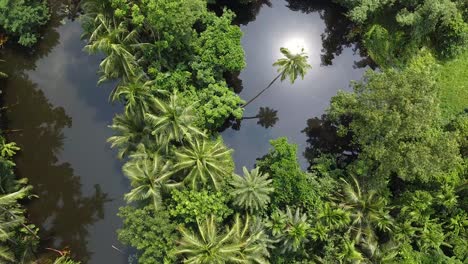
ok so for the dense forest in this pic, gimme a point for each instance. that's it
(388, 175)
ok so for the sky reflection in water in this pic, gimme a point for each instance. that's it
(273, 28)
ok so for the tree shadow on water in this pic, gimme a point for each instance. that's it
(339, 33)
(62, 212)
(323, 138)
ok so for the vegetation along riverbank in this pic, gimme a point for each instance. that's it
(387, 180)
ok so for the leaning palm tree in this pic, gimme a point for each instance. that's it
(251, 191)
(203, 162)
(237, 244)
(292, 66)
(172, 119)
(148, 177)
(117, 42)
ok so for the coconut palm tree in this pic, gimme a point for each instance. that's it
(117, 42)
(148, 177)
(203, 162)
(290, 229)
(368, 213)
(11, 216)
(131, 130)
(292, 66)
(367, 210)
(172, 119)
(251, 191)
(209, 245)
(137, 94)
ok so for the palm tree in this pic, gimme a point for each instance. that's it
(251, 192)
(292, 66)
(292, 230)
(296, 231)
(11, 216)
(204, 161)
(148, 177)
(136, 94)
(172, 119)
(367, 211)
(237, 244)
(114, 39)
(131, 130)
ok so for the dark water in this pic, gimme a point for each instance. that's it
(59, 117)
(321, 29)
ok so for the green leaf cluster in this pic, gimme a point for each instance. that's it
(190, 206)
(22, 19)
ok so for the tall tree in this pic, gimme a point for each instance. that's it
(292, 66)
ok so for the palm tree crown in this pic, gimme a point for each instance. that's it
(130, 131)
(115, 40)
(173, 119)
(147, 177)
(208, 245)
(292, 66)
(251, 192)
(205, 162)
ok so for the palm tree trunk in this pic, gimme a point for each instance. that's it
(262, 91)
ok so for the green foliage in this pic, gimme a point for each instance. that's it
(148, 176)
(293, 66)
(65, 259)
(204, 163)
(453, 84)
(388, 47)
(172, 119)
(7, 150)
(17, 237)
(291, 185)
(217, 49)
(215, 104)
(118, 43)
(435, 23)
(23, 18)
(251, 191)
(188, 206)
(290, 229)
(238, 244)
(396, 122)
(151, 232)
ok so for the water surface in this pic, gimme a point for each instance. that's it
(59, 117)
(321, 30)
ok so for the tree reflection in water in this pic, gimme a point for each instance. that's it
(322, 138)
(62, 212)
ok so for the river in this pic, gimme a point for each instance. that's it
(59, 116)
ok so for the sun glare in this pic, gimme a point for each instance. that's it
(295, 45)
